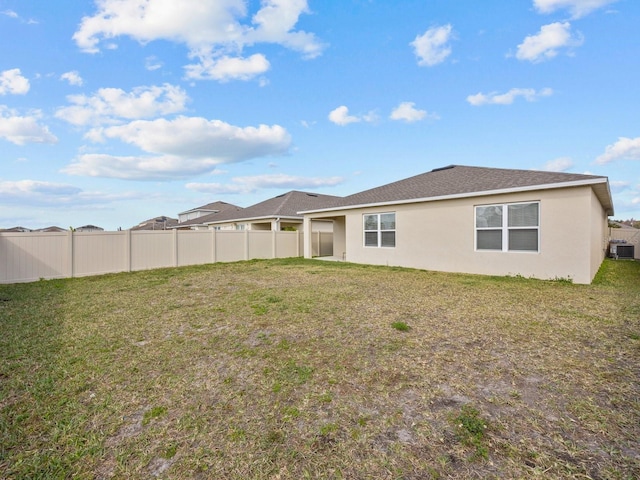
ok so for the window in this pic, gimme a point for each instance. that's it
(512, 227)
(380, 230)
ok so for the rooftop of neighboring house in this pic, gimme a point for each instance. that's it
(286, 206)
(89, 228)
(157, 223)
(51, 229)
(213, 207)
(463, 181)
(15, 230)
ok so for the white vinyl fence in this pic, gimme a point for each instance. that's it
(630, 235)
(26, 257)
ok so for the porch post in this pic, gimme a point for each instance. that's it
(307, 238)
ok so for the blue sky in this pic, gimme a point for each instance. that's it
(116, 111)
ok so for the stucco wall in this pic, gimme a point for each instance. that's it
(440, 236)
(599, 234)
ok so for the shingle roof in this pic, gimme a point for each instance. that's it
(458, 180)
(214, 206)
(220, 208)
(285, 205)
(157, 223)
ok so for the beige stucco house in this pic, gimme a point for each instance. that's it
(275, 214)
(478, 220)
(210, 209)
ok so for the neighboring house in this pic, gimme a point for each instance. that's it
(157, 223)
(277, 213)
(89, 228)
(15, 230)
(476, 220)
(52, 229)
(208, 209)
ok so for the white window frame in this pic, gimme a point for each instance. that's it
(379, 231)
(505, 228)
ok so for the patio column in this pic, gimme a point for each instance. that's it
(306, 231)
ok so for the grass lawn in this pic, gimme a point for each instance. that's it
(293, 369)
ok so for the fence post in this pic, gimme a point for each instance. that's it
(70, 252)
(213, 245)
(127, 250)
(246, 244)
(274, 240)
(175, 247)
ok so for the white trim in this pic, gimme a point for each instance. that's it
(252, 219)
(528, 188)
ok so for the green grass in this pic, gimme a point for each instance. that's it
(289, 369)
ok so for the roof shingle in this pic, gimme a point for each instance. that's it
(458, 180)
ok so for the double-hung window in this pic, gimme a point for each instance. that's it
(380, 230)
(508, 227)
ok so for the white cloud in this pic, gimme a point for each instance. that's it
(12, 81)
(578, 8)
(619, 185)
(149, 167)
(73, 78)
(228, 68)
(21, 130)
(109, 104)
(561, 164)
(211, 29)
(624, 148)
(340, 116)
(546, 43)
(432, 47)
(179, 148)
(250, 184)
(494, 98)
(24, 188)
(407, 112)
(9, 13)
(275, 23)
(152, 63)
(24, 193)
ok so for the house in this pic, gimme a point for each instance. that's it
(208, 209)
(157, 223)
(15, 230)
(89, 228)
(51, 229)
(277, 213)
(478, 220)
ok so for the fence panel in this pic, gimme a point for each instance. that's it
(152, 249)
(26, 257)
(195, 247)
(261, 244)
(322, 244)
(230, 246)
(288, 245)
(95, 253)
(31, 256)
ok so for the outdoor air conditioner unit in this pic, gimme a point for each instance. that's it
(621, 250)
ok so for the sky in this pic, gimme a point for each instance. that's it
(113, 112)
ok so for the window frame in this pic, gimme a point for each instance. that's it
(378, 230)
(505, 229)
